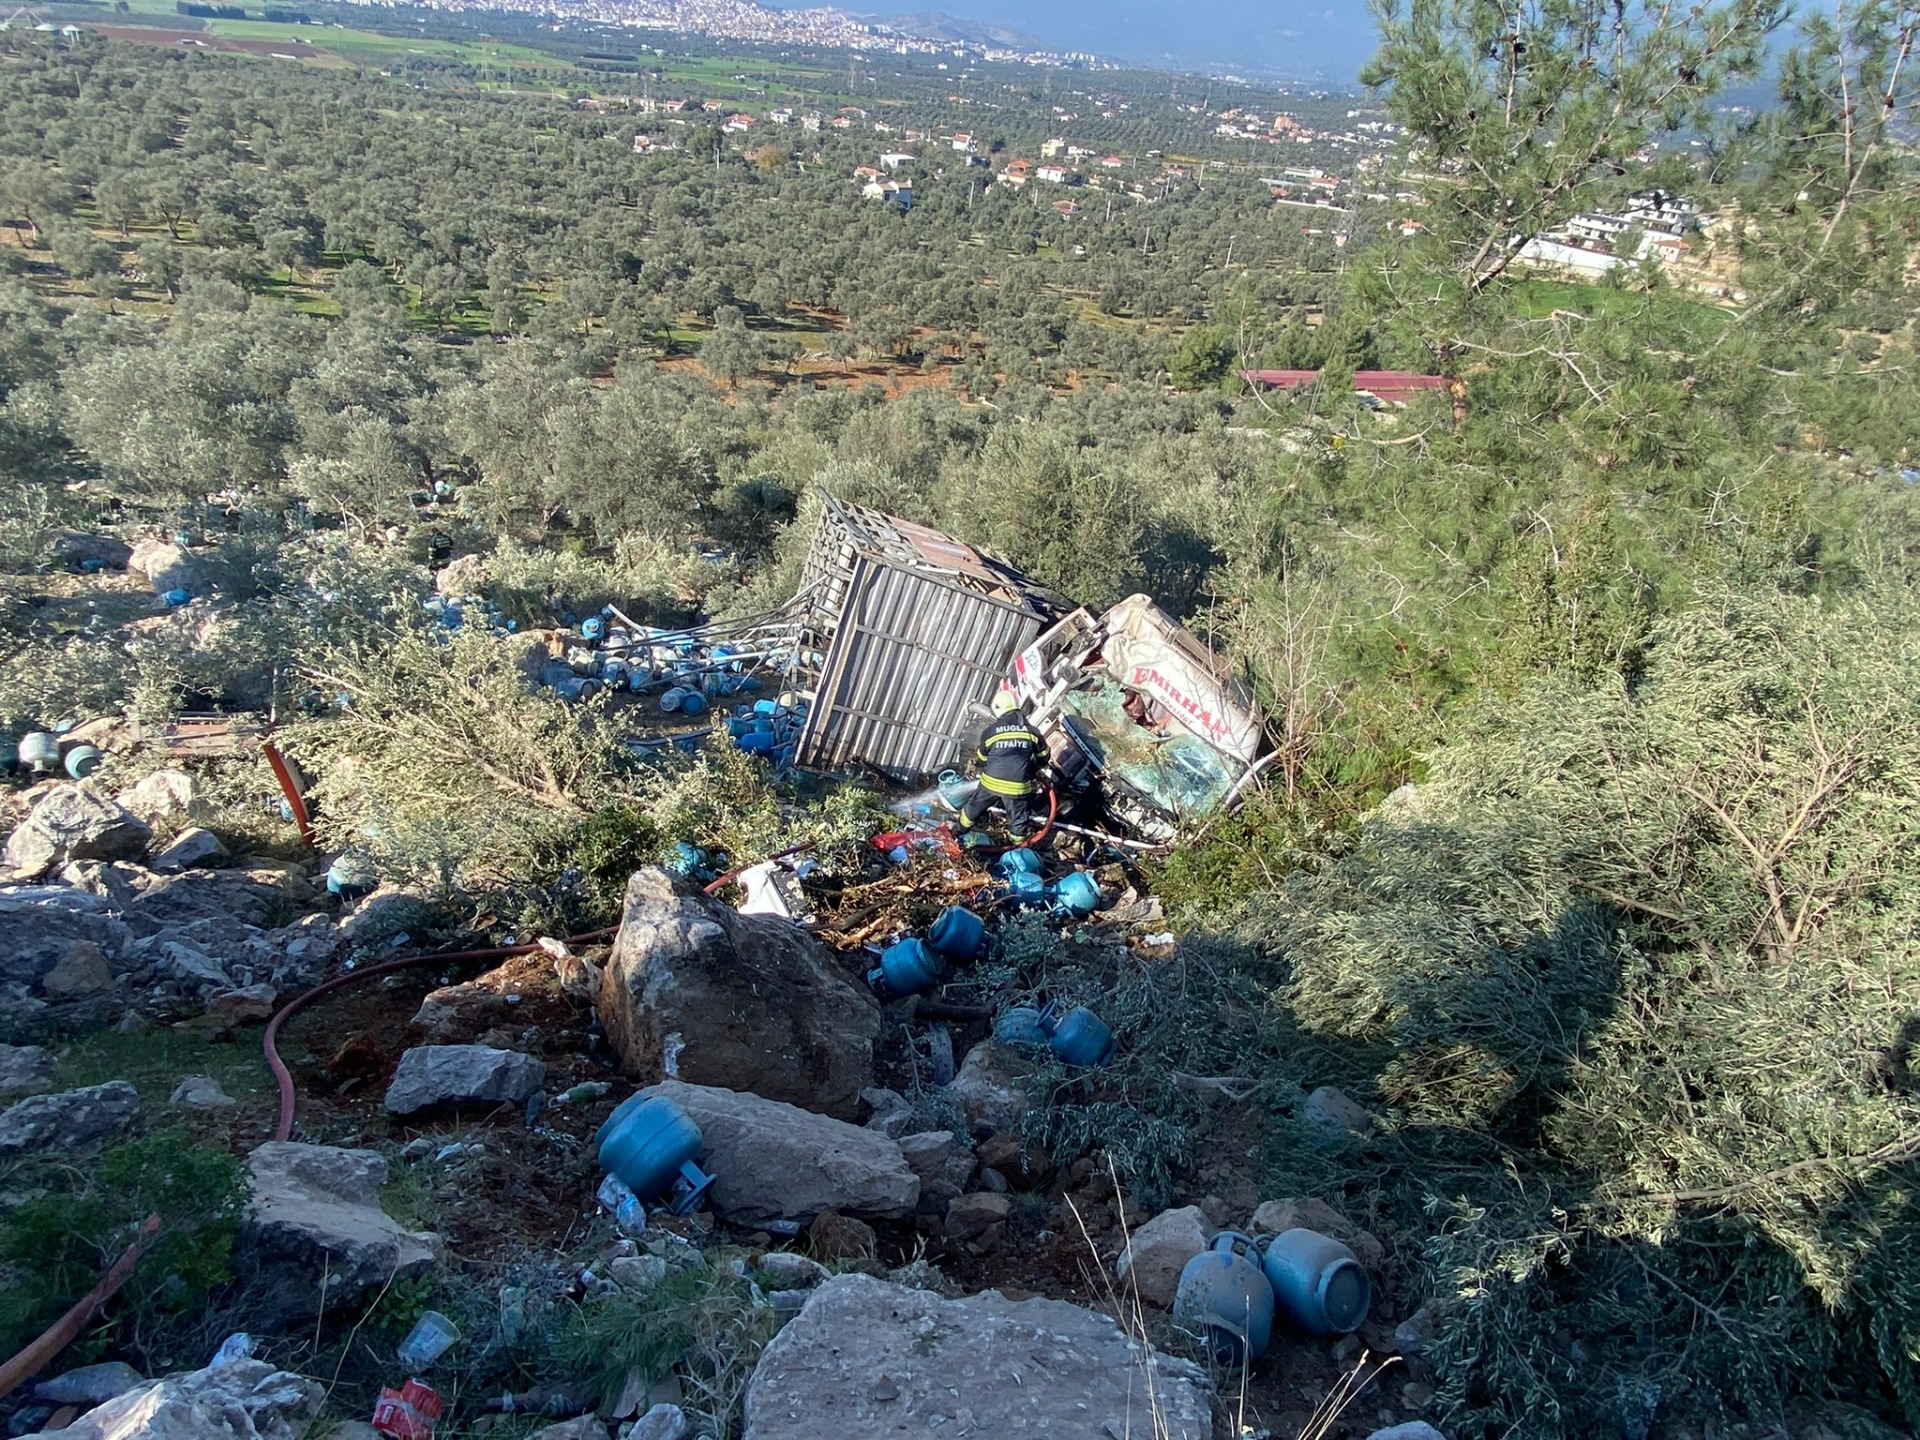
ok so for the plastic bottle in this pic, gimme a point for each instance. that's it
(619, 1201)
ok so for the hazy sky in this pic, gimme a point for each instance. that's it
(1303, 38)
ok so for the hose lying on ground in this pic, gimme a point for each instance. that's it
(284, 1077)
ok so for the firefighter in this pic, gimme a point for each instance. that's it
(1011, 754)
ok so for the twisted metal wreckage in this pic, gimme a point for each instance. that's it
(898, 636)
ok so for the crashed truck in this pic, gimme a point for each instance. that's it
(904, 634)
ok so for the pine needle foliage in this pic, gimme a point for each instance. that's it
(1656, 942)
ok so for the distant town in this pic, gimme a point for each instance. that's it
(743, 20)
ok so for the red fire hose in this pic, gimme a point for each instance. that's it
(284, 1078)
(57, 1336)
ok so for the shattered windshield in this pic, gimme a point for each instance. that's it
(1176, 771)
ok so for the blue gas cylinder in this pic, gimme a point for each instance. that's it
(1017, 862)
(175, 598)
(672, 700)
(957, 933)
(759, 742)
(1019, 1028)
(1318, 1283)
(1076, 894)
(906, 967)
(83, 760)
(1078, 1037)
(1225, 1297)
(956, 790)
(351, 876)
(592, 628)
(650, 1145)
(1026, 888)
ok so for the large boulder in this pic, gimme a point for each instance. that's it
(772, 1160)
(165, 796)
(241, 1400)
(314, 1235)
(696, 991)
(24, 1068)
(72, 823)
(40, 924)
(987, 1089)
(1159, 1250)
(433, 1075)
(869, 1358)
(228, 902)
(70, 1119)
(167, 566)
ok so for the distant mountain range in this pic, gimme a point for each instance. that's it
(934, 25)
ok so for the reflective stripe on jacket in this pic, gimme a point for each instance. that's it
(1010, 752)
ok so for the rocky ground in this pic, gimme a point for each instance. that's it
(904, 1255)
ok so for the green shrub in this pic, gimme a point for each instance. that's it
(76, 1220)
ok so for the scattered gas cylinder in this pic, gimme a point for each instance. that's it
(1017, 862)
(1076, 894)
(956, 790)
(1078, 1037)
(957, 933)
(759, 742)
(694, 704)
(650, 1144)
(83, 760)
(907, 967)
(1019, 1028)
(174, 599)
(351, 877)
(1025, 887)
(672, 700)
(592, 628)
(39, 751)
(1224, 1296)
(1317, 1282)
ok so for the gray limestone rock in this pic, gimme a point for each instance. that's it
(698, 992)
(90, 1384)
(315, 1220)
(69, 1119)
(776, 1161)
(192, 849)
(1160, 1249)
(200, 1092)
(82, 971)
(245, 1398)
(869, 1358)
(431, 1075)
(987, 1089)
(71, 823)
(24, 1068)
(165, 795)
(942, 1161)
